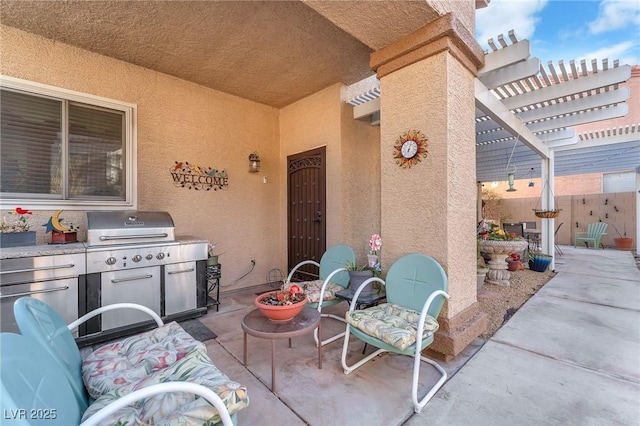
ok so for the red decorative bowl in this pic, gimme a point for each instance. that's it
(279, 313)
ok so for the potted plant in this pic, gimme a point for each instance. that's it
(498, 244)
(622, 242)
(14, 229)
(375, 244)
(358, 274)
(281, 305)
(513, 262)
(538, 261)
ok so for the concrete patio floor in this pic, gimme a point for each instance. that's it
(570, 356)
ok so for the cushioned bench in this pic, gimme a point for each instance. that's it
(165, 354)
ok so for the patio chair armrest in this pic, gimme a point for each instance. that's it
(425, 309)
(580, 233)
(112, 307)
(325, 283)
(295, 268)
(364, 284)
(129, 399)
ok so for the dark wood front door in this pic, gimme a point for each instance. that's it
(306, 212)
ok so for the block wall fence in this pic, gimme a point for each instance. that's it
(617, 209)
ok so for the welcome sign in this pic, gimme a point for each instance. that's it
(192, 176)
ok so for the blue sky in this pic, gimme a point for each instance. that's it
(567, 29)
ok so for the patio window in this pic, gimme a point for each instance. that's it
(64, 148)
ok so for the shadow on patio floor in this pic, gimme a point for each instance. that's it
(379, 393)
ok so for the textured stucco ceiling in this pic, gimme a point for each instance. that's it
(272, 52)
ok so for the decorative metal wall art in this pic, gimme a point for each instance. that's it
(410, 148)
(192, 176)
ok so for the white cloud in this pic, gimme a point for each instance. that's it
(614, 15)
(622, 51)
(500, 16)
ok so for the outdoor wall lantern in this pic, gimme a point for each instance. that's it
(531, 184)
(254, 162)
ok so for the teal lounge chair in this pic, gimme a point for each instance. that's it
(594, 234)
(416, 287)
(35, 389)
(332, 277)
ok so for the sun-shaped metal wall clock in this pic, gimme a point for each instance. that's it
(410, 148)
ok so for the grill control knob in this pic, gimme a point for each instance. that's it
(160, 256)
(136, 258)
(149, 256)
(110, 261)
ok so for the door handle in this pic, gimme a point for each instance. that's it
(318, 216)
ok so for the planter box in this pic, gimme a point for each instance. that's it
(63, 237)
(17, 239)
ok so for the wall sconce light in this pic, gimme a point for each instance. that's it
(254, 162)
(511, 178)
(531, 184)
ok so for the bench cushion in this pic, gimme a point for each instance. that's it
(127, 361)
(176, 408)
(393, 324)
(312, 290)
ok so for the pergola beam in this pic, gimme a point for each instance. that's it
(490, 105)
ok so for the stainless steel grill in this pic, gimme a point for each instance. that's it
(107, 228)
(133, 256)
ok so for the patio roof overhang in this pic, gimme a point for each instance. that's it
(524, 111)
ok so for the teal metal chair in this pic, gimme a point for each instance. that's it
(594, 234)
(332, 277)
(416, 287)
(34, 389)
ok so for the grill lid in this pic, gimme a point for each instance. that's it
(129, 227)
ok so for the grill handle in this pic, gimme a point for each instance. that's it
(27, 293)
(42, 268)
(130, 237)
(182, 271)
(139, 277)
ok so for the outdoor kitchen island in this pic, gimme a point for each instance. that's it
(129, 257)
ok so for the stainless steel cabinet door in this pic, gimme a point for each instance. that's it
(141, 285)
(60, 294)
(180, 287)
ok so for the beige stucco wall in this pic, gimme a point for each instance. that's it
(361, 174)
(310, 123)
(430, 208)
(353, 157)
(179, 121)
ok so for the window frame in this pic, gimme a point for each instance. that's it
(130, 145)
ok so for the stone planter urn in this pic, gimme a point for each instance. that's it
(499, 250)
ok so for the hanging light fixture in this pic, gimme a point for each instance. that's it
(511, 173)
(511, 179)
(531, 184)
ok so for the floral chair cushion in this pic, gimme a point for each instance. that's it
(393, 324)
(176, 408)
(312, 290)
(127, 361)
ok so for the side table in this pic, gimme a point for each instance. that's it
(363, 301)
(257, 325)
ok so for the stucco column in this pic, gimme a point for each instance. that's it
(427, 84)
